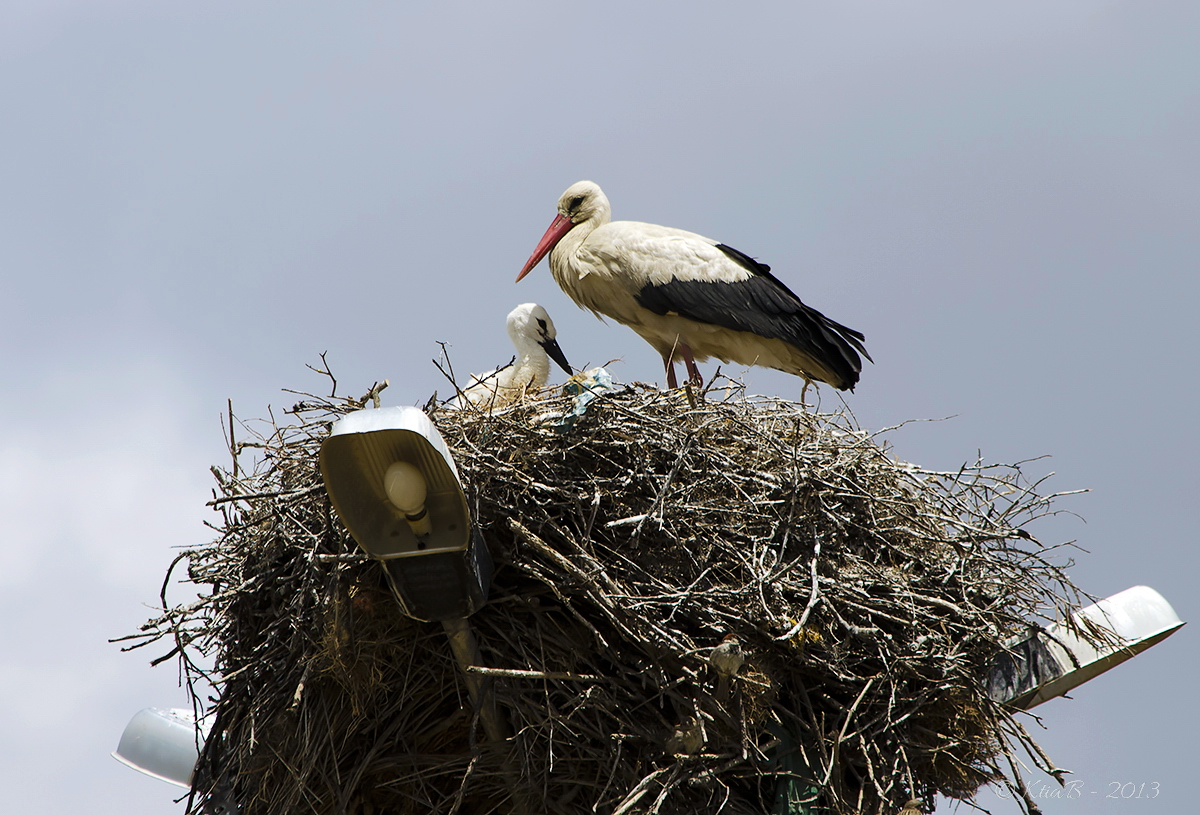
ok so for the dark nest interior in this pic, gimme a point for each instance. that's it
(869, 597)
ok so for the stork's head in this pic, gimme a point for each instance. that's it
(529, 323)
(583, 202)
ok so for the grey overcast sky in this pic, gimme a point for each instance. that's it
(197, 199)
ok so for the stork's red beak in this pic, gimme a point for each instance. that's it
(554, 234)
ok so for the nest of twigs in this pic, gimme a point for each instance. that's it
(869, 597)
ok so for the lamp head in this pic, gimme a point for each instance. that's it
(393, 483)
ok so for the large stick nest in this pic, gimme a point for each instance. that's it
(869, 597)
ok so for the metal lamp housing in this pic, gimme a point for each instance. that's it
(435, 576)
(162, 743)
(1058, 658)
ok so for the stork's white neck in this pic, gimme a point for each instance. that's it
(565, 267)
(532, 364)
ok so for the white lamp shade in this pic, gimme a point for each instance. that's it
(355, 460)
(162, 743)
(1140, 617)
(1056, 660)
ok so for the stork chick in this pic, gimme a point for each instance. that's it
(533, 335)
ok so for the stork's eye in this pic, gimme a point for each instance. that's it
(575, 202)
(541, 325)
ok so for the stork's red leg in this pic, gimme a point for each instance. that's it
(669, 364)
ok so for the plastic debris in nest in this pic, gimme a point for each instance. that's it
(583, 388)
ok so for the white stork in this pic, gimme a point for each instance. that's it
(532, 333)
(690, 296)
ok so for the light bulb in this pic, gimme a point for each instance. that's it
(405, 488)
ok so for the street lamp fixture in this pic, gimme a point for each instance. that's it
(393, 483)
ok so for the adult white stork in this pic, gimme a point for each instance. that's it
(690, 296)
(532, 333)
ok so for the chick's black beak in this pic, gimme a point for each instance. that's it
(555, 353)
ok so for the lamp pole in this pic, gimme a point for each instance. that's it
(466, 651)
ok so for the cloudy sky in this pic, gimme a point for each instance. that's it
(198, 199)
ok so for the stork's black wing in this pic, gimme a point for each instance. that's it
(760, 304)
